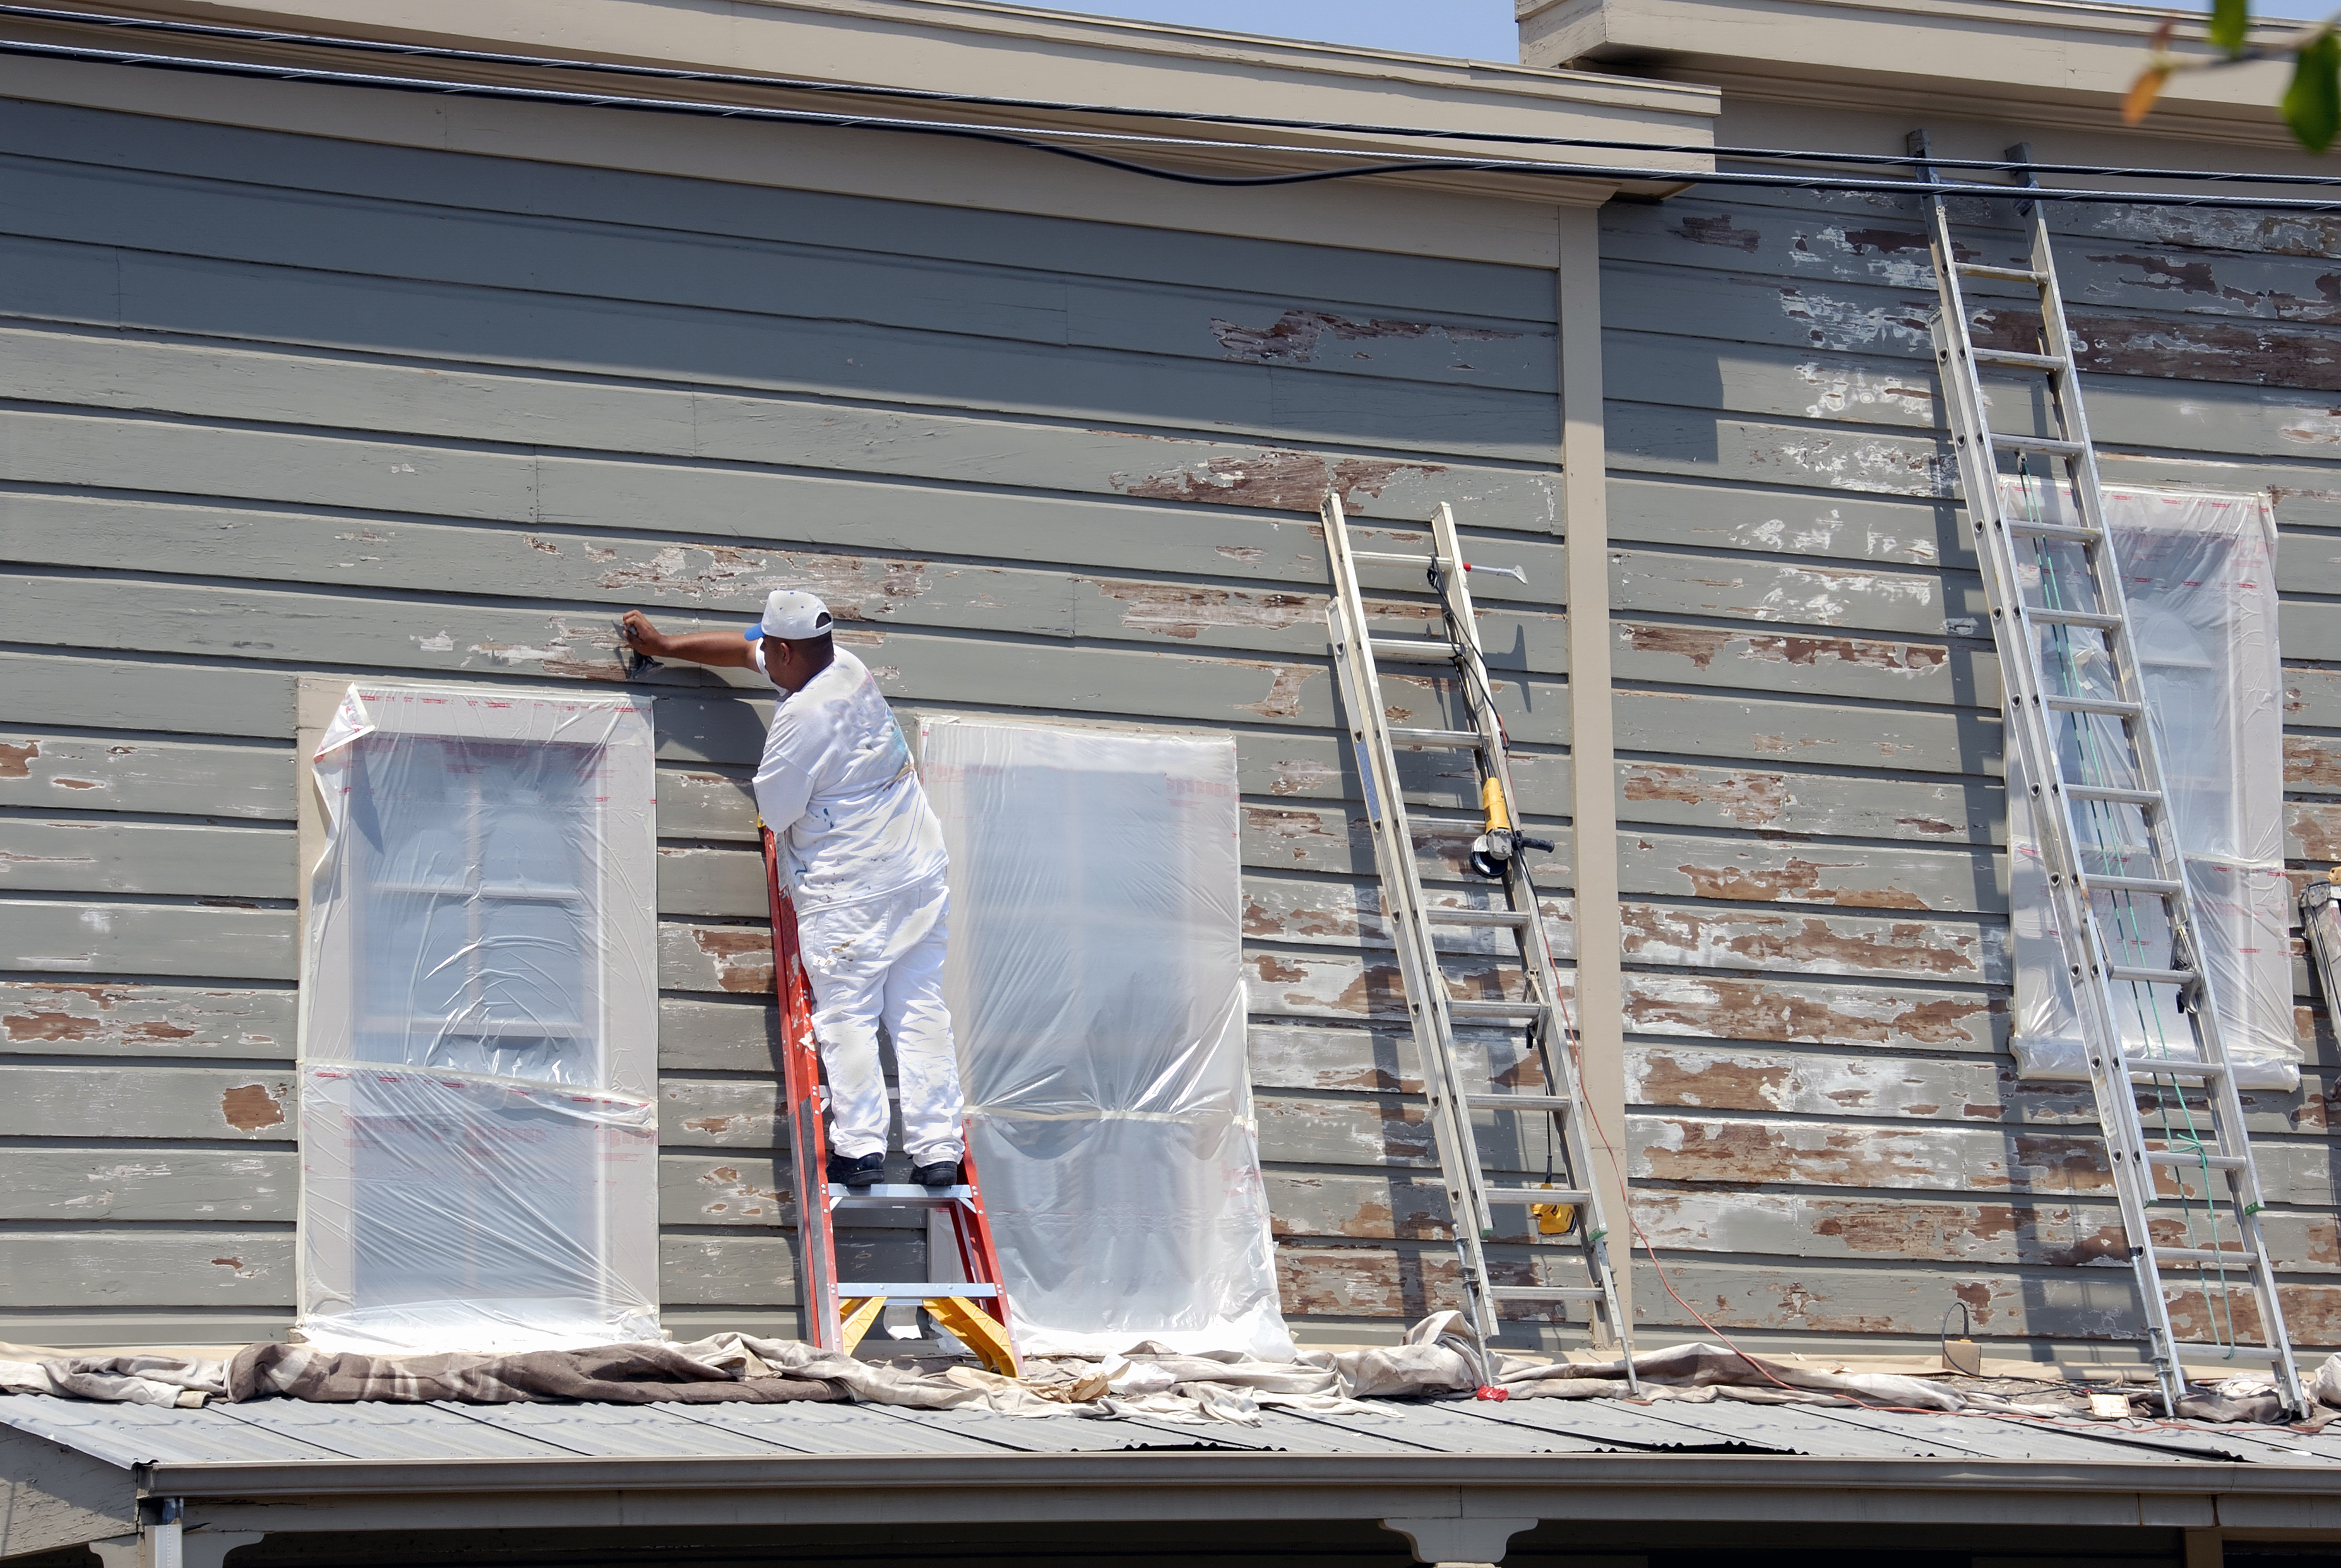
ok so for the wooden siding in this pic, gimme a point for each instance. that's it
(274, 406)
(1850, 1151)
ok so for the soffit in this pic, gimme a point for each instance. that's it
(1989, 56)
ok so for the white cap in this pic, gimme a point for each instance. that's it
(790, 616)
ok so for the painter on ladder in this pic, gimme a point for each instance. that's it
(865, 862)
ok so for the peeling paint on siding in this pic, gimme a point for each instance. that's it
(1295, 337)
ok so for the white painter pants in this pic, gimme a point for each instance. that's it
(881, 960)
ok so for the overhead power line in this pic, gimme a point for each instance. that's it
(1082, 144)
(1203, 116)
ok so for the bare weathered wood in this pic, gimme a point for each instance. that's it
(1331, 984)
(2069, 1304)
(1768, 870)
(113, 938)
(2040, 1232)
(1934, 949)
(1317, 912)
(1816, 1012)
(160, 1101)
(1900, 1156)
(95, 855)
(2312, 698)
(1819, 664)
(68, 1018)
(1972, 1092)
(723, 1113)
(120, 1183)
(1809, 805)
(70, 773)
(138, 1266)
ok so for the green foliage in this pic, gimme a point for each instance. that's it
(2312, 104)
(2231, 23)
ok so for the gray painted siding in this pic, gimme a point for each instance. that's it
(254, 426)
(1854, 1155)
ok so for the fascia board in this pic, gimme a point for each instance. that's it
(1014, 51)
(2015, 49)
(971, 1487)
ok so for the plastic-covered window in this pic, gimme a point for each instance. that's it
(2199, 572)
(1096, 988)
(479, 1026)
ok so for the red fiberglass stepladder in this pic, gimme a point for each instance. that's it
(836, 1315)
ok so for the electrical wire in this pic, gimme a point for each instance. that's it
(1050, 139)
(1198, 116)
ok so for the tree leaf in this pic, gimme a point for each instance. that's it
(2231, 23)
(2312, 104)
(2143, 93)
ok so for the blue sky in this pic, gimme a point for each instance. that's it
(1478, 29)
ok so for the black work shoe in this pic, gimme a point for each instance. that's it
(942, 1173)
(862, 1172)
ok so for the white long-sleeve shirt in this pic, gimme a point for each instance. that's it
(837, 786)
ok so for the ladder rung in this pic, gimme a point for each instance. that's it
(2074, 618)
(2009, 275)
(2202, 1255)
(2107, 792)
(1414, 649)
(1388, 558)
(2180, 1157)
(2018, 357)
(2140, 1072)
(1512, 918)
(2047, 443)
(2112, 705)
(1495, 1009)
(861, 1290)
(2128, 885)
(2240, 1352)
(1470, 738)
(1517, 1102)
(1544, 1292)
(2153, 976)
(2051, 531)
(1535, 1194)
(896, 1195)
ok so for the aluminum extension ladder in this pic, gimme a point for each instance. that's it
(2118, 883)
(1573, 1209)
(834, 1313)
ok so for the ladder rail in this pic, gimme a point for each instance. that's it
(2094, 958)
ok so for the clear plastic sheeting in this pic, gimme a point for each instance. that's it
(2199, 574)
(479, 1026)
(1096, 984)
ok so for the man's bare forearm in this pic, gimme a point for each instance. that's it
(727, 648)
